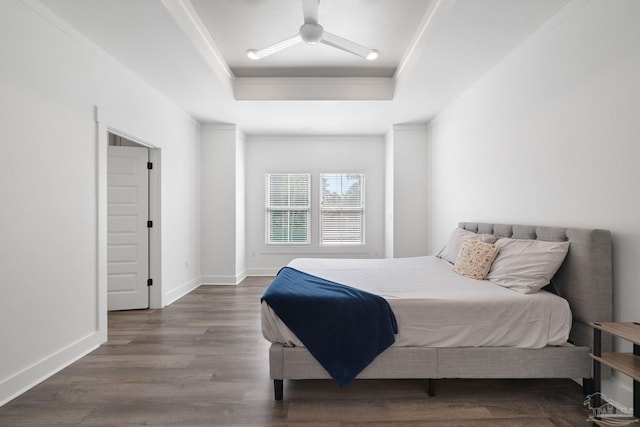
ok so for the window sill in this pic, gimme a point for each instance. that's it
(315, 250)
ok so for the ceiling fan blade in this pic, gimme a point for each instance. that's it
(310, 11)
(348, 46)
(276, 47)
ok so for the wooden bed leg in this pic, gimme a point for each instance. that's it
(587, 386)
(431, 387)
(278, 389)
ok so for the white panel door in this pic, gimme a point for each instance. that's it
(127, 231)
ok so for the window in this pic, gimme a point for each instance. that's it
(287, 208)
(342, 209)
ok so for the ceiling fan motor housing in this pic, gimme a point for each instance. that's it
(311, 33)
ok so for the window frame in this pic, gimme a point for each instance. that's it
(341, 209)
(289, 208)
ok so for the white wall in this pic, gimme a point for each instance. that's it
(241, 235)
(550, 136)
(388, 194)
(223, 228)
(411, 180)
(51, 302)
(179, 141)
(315, 155)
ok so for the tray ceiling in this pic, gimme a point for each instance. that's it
(238, 25)
(193, 53)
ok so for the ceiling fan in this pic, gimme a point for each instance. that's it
(311, 33)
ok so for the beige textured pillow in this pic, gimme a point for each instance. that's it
(459, 235)
(475, 259)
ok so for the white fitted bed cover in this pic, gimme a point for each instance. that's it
(435, 307)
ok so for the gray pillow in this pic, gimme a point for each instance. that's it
(459, 235)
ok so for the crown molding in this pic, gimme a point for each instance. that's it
(435, 15)
(188, 20)
(414, 126)
(219, 126)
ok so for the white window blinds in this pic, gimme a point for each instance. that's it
(342, 209)
(288, 198)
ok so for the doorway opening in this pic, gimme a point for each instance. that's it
(111, 125)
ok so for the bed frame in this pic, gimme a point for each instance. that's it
(585, 280)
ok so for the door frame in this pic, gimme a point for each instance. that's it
(110, 122)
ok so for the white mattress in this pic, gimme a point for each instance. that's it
(436, 307)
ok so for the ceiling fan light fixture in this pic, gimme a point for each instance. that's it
(253, 54)
(373, 55)
(311, 33)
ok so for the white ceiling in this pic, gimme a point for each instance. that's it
(431, 50)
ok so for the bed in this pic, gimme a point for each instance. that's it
(579, 292)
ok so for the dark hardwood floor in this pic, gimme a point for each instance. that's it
(202, 361)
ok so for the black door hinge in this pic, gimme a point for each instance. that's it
(149, 224)
(149, 282)
(149, 165)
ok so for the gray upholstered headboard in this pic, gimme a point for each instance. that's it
(585, 278)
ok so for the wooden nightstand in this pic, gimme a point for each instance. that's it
(627, 363)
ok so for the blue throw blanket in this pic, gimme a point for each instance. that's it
(342, 327)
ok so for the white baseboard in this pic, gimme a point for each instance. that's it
(223, 280)
(270, 272)
(15, 385)
(619, 388)
(241, 276)
(182, 290)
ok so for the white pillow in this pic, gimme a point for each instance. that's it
(526, 265)
(459, 235)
